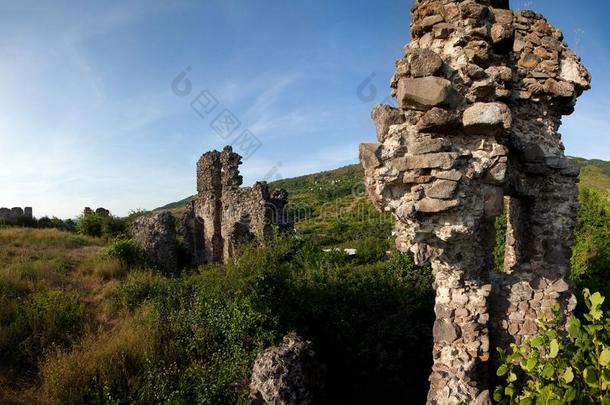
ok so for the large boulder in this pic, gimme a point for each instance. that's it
(288, 374)
(156, 236)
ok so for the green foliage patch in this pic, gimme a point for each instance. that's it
(561, 366)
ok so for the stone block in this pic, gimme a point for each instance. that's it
(432, 205)
(442, 189)
(438, 120)
(488, 119)
(444, 160)
(384, 116)
(423, 62)
(425, 93)
(369, 155)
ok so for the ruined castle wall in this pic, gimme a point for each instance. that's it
(480, 92)
(225, 214)
(542, 182)
(16, 214)
(246, 216)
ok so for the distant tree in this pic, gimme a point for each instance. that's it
(591, 255)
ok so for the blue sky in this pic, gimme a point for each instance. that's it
(88, 116)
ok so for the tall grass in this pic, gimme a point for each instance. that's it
(100, 367)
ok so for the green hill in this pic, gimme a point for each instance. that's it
(595, 174)
(333, 208)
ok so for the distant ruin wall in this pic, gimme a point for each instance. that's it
(14, 215)
(225, 214)
(481, 91)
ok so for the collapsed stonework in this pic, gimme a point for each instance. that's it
(288, 374)
(224, 214)
(99, 211)
(156, 236)
(14, 215)
(481, 91)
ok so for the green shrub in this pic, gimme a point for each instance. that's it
(591, 254)
(561, 366)
(46, 222)
(371, 324)
(139, 288)
(126, 250)
(101, 225)
(37, 322)
(371, 250)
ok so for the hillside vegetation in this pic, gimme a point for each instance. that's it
(83, 321)
(325, 203)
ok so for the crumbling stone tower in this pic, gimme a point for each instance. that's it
(481, 91)
(16, 214)
(224, 213)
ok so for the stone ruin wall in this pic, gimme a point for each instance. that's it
(14, 215)
(480, 91)
(224, 214)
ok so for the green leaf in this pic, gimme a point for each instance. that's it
(548, 371)
(568, 375)
(531, 364)
(597, 299)
(604, 357)
(596, 314)
(570, 395)
(512, 377)
(498, 394)
(502, 370)
(554, 349)
(574, 327)
(590, 375)
(537, 342)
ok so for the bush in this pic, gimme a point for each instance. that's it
(126, 251)
(371, 324)
(48, 223)
(591, 256)
(101, 225)
(371, 250)
(37, 322)
(561, 366)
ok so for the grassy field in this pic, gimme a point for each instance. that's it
(47, 298)
(77, 327)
